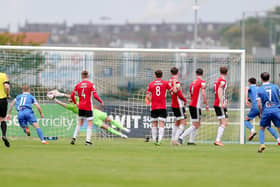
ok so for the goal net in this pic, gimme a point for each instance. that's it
(121, 77)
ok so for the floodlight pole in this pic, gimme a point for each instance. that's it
(195, 8)
(243, 31)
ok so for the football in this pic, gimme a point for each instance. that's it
(51, 95)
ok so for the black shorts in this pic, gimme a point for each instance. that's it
(158, 115)
(85, 114)
(195, 113)
(3, 107)
(179, 113)
(221, 113)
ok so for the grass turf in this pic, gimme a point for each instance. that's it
(135, 163)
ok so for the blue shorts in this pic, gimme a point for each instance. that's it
(26, 116)
(254, 112)
(268, 117)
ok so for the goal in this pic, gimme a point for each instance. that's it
(121, 76)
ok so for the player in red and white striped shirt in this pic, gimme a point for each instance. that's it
(178, 104)
(197, 92)
(156, 94)
(220, 104)
(85, 90)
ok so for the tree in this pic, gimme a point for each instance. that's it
(10, 39)
(259, 31)
(15, 39)
(273, 23)
(256, 35)
(22, 66)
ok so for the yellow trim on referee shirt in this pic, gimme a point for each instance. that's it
(3, 78)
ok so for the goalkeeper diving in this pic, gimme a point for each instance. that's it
(100, 118)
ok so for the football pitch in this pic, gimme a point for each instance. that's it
(134, 162)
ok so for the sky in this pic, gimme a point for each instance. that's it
(15, 12)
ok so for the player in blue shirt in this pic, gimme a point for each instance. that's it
(251, 101)
(269, 107)
(26, 115)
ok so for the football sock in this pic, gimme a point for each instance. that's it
(40, 134)
(117, 124)
(179, 132)
(113, 131)
(273, 132)
(89, 133)
(160, 133)
(248, 124)
(174, 130)
(193, 135)
(76, 132)
(187, 132)
(154, 133)
(220, 132)
(4, 128)
(261, 136)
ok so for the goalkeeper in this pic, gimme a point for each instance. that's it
(99, 116)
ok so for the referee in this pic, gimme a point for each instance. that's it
(4, 95)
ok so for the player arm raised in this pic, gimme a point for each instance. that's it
(60, 103)
(12, 104)
(56, 93)
(203, 92)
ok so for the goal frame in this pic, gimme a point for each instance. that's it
(240, 52)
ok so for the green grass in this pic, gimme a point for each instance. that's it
(135, 163)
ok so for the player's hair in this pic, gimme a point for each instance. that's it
(84, 74)
(265, 76)
(158, 73)
(252, 80)
(174, 71)
(223, 70)
(199, 71)
(25, 88)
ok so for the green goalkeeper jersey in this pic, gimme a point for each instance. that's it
(72, 107)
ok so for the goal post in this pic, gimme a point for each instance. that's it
(242, 97)
(121, 76)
